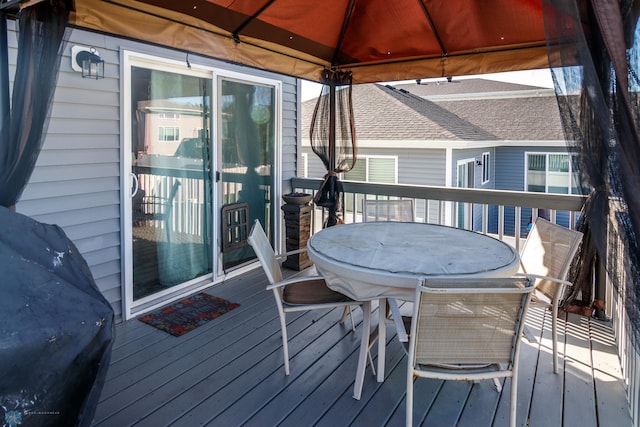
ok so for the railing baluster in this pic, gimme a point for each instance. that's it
(485, 218)
(501, 222)
(518, 225)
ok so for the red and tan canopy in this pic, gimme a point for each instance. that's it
(377, 40)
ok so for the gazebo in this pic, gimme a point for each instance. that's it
(591, 47)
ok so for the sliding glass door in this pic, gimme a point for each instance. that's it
(201, 156)
(171, 174)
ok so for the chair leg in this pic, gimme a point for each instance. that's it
(373, 367)
(345, 313)
(409, 399)
(364, 348)
(514, 399)
(283, 330)
(554, 334)
(285, 346)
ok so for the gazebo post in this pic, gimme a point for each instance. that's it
(332, 125)
(332, 139)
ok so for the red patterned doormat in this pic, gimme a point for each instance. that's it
(187, 314)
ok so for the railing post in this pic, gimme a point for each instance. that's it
(600, 312)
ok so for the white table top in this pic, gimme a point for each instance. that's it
(385, 259)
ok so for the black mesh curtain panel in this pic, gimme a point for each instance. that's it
(41, 32)
(593, 52)
(56, 327)
(333, 139)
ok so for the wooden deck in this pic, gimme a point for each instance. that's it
(230, 372)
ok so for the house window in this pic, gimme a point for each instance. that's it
(379, 169)
(551, 173)
(486, 167)
(169, 133)
(169, 116)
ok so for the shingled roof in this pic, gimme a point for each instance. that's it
(389, 113)
(465, 87)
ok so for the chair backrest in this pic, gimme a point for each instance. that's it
(468, 321)
(387, 210)
(262, 247)
(548, 251)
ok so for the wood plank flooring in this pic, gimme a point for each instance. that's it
(230, 372)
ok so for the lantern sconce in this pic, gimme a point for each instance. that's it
(478, 162)
(87, 61)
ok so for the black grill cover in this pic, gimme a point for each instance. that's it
(56, 328)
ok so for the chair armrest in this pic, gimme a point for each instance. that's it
(294, 280)
(286, 254)
(552, 279)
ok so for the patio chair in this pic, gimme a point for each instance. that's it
(155, 208)
(467, 329)
(293, 294)
(387, 210)
(547, 254)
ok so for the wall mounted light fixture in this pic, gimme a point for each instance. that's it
(87, 61)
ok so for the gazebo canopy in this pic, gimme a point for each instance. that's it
(376, 40)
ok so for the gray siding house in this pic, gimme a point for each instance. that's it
(472, 133)
(127, 163)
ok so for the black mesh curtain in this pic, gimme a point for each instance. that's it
(595, 59)
(56, 327)
(333, 139)
(41, 32)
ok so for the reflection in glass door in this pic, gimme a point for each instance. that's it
(171, 198)
(247, 137)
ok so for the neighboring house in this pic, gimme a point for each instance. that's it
(471, 133)
(127, 164)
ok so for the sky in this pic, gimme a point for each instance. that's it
(541, 78)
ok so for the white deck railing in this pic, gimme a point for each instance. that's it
(504, 214)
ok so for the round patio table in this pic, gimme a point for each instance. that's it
(372, 260)
(379, 260)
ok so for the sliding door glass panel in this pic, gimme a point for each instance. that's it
(558, 181)
(171, 206)
(537, 173)
(247, 137)
(466, 178)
